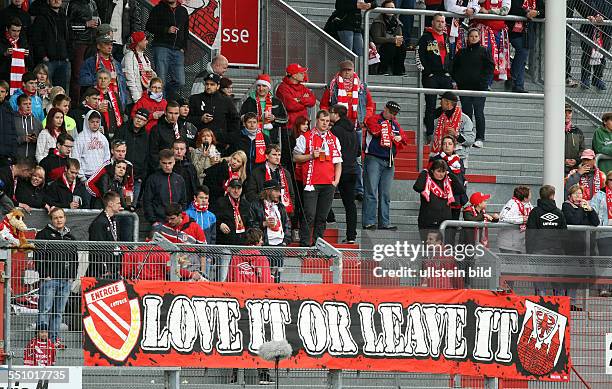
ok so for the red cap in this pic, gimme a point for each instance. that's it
(264, 79)
(478, 198)
(295, 68)
(137, 36)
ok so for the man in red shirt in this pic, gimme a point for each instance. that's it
(320, 152)
(296, 97)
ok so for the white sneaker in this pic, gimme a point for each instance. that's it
(478, 144)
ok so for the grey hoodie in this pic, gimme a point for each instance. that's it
(24, 126)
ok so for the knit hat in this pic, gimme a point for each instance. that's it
(137, 37)
(449, 96)
(105, 29)
(264, 79)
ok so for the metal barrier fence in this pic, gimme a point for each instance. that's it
(66, 261)
(290, 37)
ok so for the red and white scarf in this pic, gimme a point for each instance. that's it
(114, 105)
(99, 64)
(587, 190)
(18, 68)
(343, 96)
(484, 238)
(329, 152)
(237, 217)
(443, 193)
(609, 202)
(527, 5)
(199, 208)
(285, 195)
(523, 210)
(262, 122)
(444, 124)
(501, 52)
(230, 176)
(272, 212)
(386, 134)
(144, 69)
(453, 161)
(260, 146)
(69, 186)
(596, 55)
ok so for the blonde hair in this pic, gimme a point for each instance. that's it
(243, 157)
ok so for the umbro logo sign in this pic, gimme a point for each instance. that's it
(549, 217)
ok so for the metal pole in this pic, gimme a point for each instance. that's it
(334, 379)
(366, 47)
(420, 116)
(6, 255)
(554, 95)
(173, 378)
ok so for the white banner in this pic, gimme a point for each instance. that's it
(608, 360)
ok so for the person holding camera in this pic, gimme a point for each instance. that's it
(587, 175)
(205, 153)
(578, 211)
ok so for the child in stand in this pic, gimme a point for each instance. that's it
(40, 351)
(249, 265)
(198, 211)
(437, 262)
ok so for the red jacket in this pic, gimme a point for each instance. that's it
(152, 106)
(288, 92)
(148, 263)
(187, 232)
(249, 266)
(39, 353)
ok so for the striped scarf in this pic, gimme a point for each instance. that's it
(443, 193)
(18, 67)
(453, 161)
(444, 124)
(343, 97)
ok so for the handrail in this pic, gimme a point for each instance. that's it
(462, 223)
(599, 157)
(589, 42)
(458, 92)
(590, 115)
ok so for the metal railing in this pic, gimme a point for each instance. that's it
(290, 37)
(600, 157)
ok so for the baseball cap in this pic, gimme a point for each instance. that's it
(271, 184)
(213, 77)
(295, 68)
(449, 96)
(104, 39)
(587, 154)
(143, 112)
(568, 107)
(105, 29)
(393, 106)
(479, 197)
(235, 183)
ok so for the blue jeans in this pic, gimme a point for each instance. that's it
(53, 296)
(59, 73)
(378, 177)
(352, 40)
(407, 20)
(474, 106)
(170, 67)
(517, 68)
(136, 194)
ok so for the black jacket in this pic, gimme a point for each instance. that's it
(433, 212)
(257, 216)
(57, 194)
(248, 146)
(278, 110)
(161, 18)
(130, 17)
(546, 216)
(349, 16)
(428, 57)
(8, 133)
(575, 243)
(55, 263)
(344, 130)
(225, 124)
(103, 263)
(79, 13)
(215, 177)
(138, 152)
(49, 36)
(54, 166)
(472, 67)
(160, 190)
(26, 193)
(517, 9)
(107, 183)
(162, 136)
(255, 182)
(186, 170)
(6, 175)
(225, 214)
(460, 199)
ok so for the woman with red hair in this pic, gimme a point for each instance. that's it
(47, 139)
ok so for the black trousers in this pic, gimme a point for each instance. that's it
(437, 82)
(597, 70)
(391, 58)
(346, 186)
(317, 204)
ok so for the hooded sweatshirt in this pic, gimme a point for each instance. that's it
(546, 216)
(91, 148)
(26, 125)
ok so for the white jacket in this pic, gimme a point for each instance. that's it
(91, 149)
(132, 74)
(512, 238)
(44, 142)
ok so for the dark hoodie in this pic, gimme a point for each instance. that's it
(55, 263)
(473, 67)
(546, 216)
(160, 190)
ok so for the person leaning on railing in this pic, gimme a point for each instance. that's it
(516, 211)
